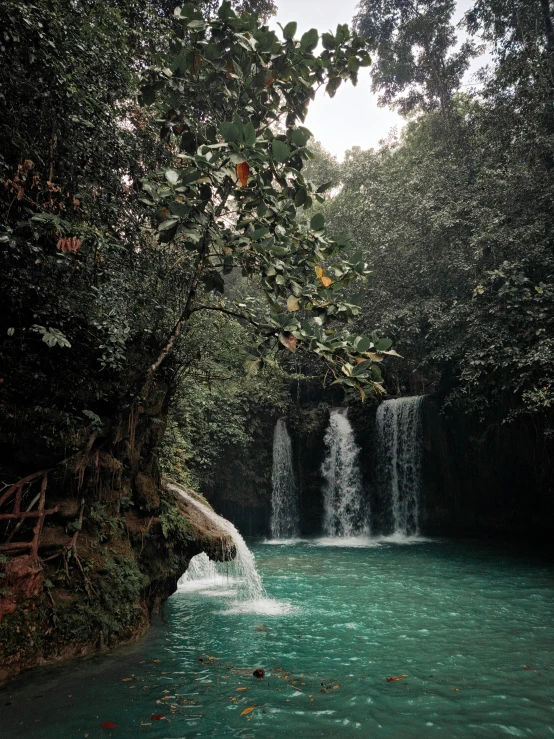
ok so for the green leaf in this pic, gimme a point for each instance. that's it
(177, 208)
(229, 131)
(300, 136)
(191, 175)
(148, 94)
(328, 41)
(353, 64)
(239, 126)
(363, 345)
(383, 345)
(249, 134)
(318, 222)
(172, 176)
(226, 11)
(281, 151)
(362, 368)
(166, 225)
(259, 233)
(323, 188)
(189, 10)
(309, 40)
(289, 30)
(376, 373)
(300, 197)
(333, 85)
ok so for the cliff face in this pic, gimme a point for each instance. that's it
(500, 484)
(90, 548)
(242, 491)
(104, 591)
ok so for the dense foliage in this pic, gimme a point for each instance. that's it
(456, 212)
(154, 157)
(147, 157)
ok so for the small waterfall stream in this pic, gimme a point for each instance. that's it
(241, 571)
(399, 428)
(284, 496)
(346, 513)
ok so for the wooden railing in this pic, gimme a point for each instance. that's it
(15, 491)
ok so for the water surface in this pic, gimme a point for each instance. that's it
(470, 626)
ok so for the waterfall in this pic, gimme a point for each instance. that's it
(345, 512)
(284, 496)
(241, 570)
(399, 428)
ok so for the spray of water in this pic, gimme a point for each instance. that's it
(284, 497)
(241, 571)
(346, 514)
(399, 428)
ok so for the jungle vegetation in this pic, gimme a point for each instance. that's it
(160, 234)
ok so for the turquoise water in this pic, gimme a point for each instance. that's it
(460, 619)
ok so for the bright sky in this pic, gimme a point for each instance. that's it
(352, 117)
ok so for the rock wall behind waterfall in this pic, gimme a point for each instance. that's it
(500, 485)
(241, 489)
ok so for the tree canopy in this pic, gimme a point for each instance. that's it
(154, 158)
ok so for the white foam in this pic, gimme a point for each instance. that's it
(263, 607)
(370, 542)
(243, 566)
(219, 593)
(205, 583)
(283, 542)
(347, 541)
(400, 538)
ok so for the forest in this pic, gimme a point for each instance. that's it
(205, 313)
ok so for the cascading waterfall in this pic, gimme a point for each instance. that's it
(399, 428)
(345, 511)
(241, 571)
(284, 497)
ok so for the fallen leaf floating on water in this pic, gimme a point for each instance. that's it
(157, 717)
(259, 673)
(126, 679)
(241, 688)
(157, 660)
(526, 667)
(109, 725)
(248, 710)
(394, 679)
